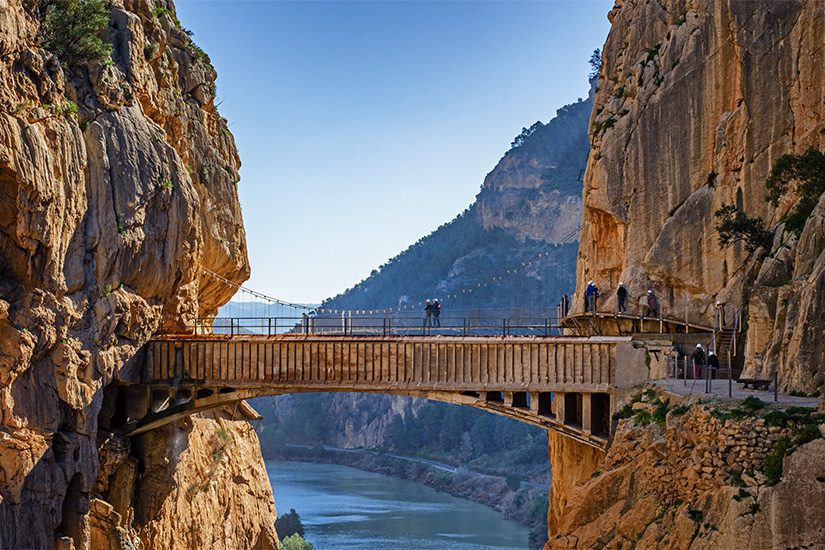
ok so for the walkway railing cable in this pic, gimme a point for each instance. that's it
(257, 294)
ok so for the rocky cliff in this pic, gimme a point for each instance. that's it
(702, 476)
(696, 101)
(118, 180)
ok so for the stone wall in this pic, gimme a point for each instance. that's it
(697, 482)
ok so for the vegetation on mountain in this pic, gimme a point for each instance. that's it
(289, 524)
(296, 542)
(74, 31)
(733, 226)
(801, 174)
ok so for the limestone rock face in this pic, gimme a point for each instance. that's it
(533, 192)
(117, 184)
(696, 100)
(571, 463)
(195, 469)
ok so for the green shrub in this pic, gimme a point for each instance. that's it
(296, 542)
(733, 226)
(74, 29)
(807, 433)
(205, 172)
(696, 515)
(160, 11)
(149, 51)
(773, 462)
(752, 404)
(653, 51)
(679, 410)
(167, 185)
(807, 171)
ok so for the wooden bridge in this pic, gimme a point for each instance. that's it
(568, 384)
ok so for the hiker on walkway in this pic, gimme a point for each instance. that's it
(428, 314)
(652, 304)
(713, 364)
(591, 294)
(621, 298)
(436, 313)
(698, 359)
(565, 305)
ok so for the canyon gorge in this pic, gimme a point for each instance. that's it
(119, 182)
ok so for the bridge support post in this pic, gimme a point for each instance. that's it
(560, 408)
(587, 413)
(534, 402)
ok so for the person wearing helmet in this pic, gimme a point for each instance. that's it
(652, 303)
(436, 313)
(621, 299)
(698, 359)
(591, 293)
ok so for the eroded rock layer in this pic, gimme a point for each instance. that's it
(117, 184)
(696, 101)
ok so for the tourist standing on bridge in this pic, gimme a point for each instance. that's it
(565, 305)
(652, 304)
(428, 314)
(591, 294)
(621, 299)
(436, 313)
(698, 359)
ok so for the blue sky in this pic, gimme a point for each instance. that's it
(363, 126)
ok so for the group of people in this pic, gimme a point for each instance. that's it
(432, 313)
(649, 302)
(698, 359)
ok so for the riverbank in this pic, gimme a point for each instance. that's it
(517, 500)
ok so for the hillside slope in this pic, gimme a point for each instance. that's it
(528, 202)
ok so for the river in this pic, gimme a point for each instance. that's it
(345, 508)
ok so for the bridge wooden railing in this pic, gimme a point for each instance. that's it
(364, 363)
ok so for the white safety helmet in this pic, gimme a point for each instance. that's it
(699, 346)
(650, 291)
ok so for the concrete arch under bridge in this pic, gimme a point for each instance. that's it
(571, 385)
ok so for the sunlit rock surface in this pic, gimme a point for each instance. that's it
(105, 217)
(695, 102)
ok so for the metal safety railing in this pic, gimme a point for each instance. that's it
(395, 325)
